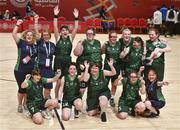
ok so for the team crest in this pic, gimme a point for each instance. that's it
(19, 3)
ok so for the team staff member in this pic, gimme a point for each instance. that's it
(126, 44)
(153, 43)
(63, 45)
(35, 99)
(155, 99)
(46, 50)
(130, 98)
(25, 62)
(88, 49)
(98, 92)
(70, 88)
(112, 49)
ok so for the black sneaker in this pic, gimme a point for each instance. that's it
(76, 113)
(153, 115)
(103, 117)
(132, 113)
(112, 103)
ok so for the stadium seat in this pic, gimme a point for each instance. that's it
(97, 25)
(120, 23)
(143, 25)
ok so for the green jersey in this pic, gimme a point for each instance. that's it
(112, 51)
(134, 61)
(123, 44)
(71, 88)
(97, 86)
(151, 46)
(63, 47)
(130, 91)
(91, 52)
(35, 90)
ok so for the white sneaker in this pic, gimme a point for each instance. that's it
(46, 114)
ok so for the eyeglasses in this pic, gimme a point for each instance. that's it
(112, 36)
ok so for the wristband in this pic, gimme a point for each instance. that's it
(17, 25)
(76, 18)
(55, 16)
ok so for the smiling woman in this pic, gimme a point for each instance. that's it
(27, 53)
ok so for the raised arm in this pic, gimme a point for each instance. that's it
(113, 70)
(55, 78)
(86, 74)
(36, 17)
(14, 32)
(25, 82)
(76, 22)
(78, 49)
(56, 32)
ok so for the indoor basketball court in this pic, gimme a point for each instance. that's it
(115, 17)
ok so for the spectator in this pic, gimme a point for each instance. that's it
(102, 13)
(170, 19)
(15, 15)
(1, 15)
(29, 11)
(157, 19)
(164, 12)
(177, 22)
(6, 15)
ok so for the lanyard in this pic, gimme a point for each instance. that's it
(47, 49)
(30, 50)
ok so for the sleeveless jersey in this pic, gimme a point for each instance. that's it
(97, 86)
(130, 91)
(71, 88)
(91, 52)
(112, 51)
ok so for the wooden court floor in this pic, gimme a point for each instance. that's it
(11, 120)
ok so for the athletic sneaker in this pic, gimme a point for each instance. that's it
(25, 107)
(153, 115)
(112, 103)
(46, 114)
(76, 113)
(20, 109)
(103, 117)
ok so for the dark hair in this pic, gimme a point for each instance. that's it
(155, 30)
(65, 27)
(135, 72)
(139, 40)
(36, 72)
(91, 29)
(94, 64)
(72, 64)
(111, 32)
(44, 31)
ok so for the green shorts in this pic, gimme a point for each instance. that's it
(62, 63)
(69, 103)
(124, 105)
(35, 107)
(93, 102)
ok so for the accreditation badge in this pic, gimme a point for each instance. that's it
(47, 62)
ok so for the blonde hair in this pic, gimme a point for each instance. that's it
(25, 33)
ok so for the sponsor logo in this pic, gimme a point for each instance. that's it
(19, 3)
